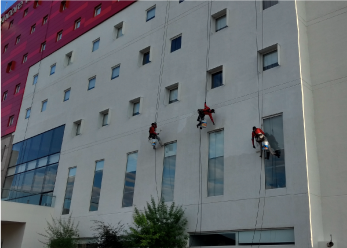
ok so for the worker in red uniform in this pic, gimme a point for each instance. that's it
(153, 134)
(259, 136)
(202, 113)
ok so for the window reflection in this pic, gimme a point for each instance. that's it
(94, 201)
(168, 182)
(215, 184)
(129, 182)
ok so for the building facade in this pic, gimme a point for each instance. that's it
(81, 141)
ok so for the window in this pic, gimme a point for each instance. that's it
(129, 181)
(275, 175)
(217, 79)
(105, 117)
(212, 239)
(67, 94)
(215, 184)
(180, 1)
(119, 30)
(221, 23)
(68, 58)
(78, 127)
(115, 72)
(136, 108)
(63, 6)
(145, 59)
(17, 39)
(96, 45)
(270, 60)
(35, 79)
(91, 84)
(268, 4)
(173, 95)
(176, 43)
(68, 191)
(168, 182)
(97, 10)
(27, 114)
(52, 69)
(10, 25)
(94, 200)
(45, 20)
(17, 89)
(4, 96)
(10, 121)
(150, 13)
(43, 46)
(77, 23)
(10, 66)
(5, 48)
(25, 12)
(25, 57)
(44, 105)
(59, 35)
(32, 30)
(36, 4)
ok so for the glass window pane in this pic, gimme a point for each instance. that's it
(217, 79)
(8, 182)
(129, 185)
(38, 180)
(150, 14)
(15, 155)
(130, 178)
(119, 32)
(45, 143)
(11, 171)
(115, 72)
(27, 181)
(168, 182)
(26, 150)
(170, 149)
(96, 45)
(128, 199)
(42, 162)
(54, 158)
(216, 164)
(94, 202)
(72, 172)
(173, 95)
(91, 84)
(99, 165)
(50, 177)
(31, 165)
(132, 162)
(67, 95)
(136, 110)
(34, 147)
(57, 139)
(20, 168)
(270, 60)
(216, 239)
(145, 58)
(105, 120)
(221, 22)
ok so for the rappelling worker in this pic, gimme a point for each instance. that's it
(153, 134)
(202, 113)
(259, 136)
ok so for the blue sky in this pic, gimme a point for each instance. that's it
(3, 4)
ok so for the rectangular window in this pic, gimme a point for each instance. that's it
(45, 20)
(169, 168)
(27, 115)
(129, 181)
(17, 39)
(43, 46)
(77, 23)
(94, 200)
(62, 6)
(17, 89)
(268, 4)
(173, 95)
(270, 60)
(115, 72)
(36, 4)
(145, 59)
(217, 79)
(67, 94)
(150, 13)
(32, 30)
(10, 121)
(105, 119)
(119, 30)
(215, 184)
(25, 12)
(275, 174)
(180, 1)
(44, 105)
(68, 191)
(10, 25)
(59, 35)
(5, 48)
(68, 58)
(10, 66)
(25, 57)
(4, 96)
(221, 23)
(212, 239)
(97, 10)
(35, 79)
(96, 45)
(78, 127)
(176, 43)
(91, 84)
(136, 108)
(52, 70)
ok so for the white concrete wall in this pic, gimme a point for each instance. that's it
(236, 105)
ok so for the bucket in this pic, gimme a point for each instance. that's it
(204, 124)
(154, 142)
(265, 145)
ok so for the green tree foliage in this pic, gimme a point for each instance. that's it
(62, 233)
(107, 236)
(158, 226)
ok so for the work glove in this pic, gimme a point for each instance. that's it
(254, 147)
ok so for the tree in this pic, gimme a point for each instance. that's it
(61, 233)
(107, 236)
(158, 226)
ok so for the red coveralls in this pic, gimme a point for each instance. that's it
(255, 133)
(206, 111)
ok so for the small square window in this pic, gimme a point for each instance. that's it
(44, 105)
(17, 89)
(4, 96)
(97, 10)
(32, 30)
(67, 94)
(17, 39)
(105, 119)
(35, 79)
(59, 35)
(27, 115)
(25, 57)
(221, 23)
(173, 95)
(115, 72)
(63, 6)
(10, 121)
(45, 20)
(268, 4)
(43, 46)
(270, 60)
(5, 48)
(91, 84)
(96, 45)
(150, 13)
(77, 23)
(52, 69)
(145, 59)
(176, 43)
(10, 25)
(136, 108)
(217, 79)
(25, 12)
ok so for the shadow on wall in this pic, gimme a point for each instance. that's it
(12, 234)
